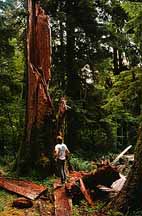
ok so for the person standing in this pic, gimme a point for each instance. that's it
(61, 152)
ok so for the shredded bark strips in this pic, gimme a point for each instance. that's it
(39, 61)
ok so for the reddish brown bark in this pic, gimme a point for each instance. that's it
(63, 205)
(39, 60)
(89, 182)
(22, 187)
(22, 203)
(39, 108)
(85, 192)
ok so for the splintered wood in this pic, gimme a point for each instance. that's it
(23, 187)
(85, 192)
(63, 205)
(39, 103)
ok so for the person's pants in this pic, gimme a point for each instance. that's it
(61, 169)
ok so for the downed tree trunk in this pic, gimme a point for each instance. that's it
(63, 204)
(105, 175)
(23, 187)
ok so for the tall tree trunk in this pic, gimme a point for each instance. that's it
(39, 110)
(73, 79)
(115, 61)
(120, 61)
(62, 55)
(130, 197)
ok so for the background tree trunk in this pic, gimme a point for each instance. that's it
(73, 78)
(115, 61)
(73, 81)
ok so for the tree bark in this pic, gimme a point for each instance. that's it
(39, 110)
(130, 197)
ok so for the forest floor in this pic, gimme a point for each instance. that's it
(44, 204)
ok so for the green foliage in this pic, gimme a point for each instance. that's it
(136, 213)
(80, 164)
(11, 81)
(83, 209)
(114, 213)
(123, 101)
(133, 28)
(5, 200)
(95, 123)
(123, 97)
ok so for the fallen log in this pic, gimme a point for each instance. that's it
(63, 204)
(23, 187)
(105, 175)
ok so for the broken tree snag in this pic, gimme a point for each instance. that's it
(42, 41)
(39, 109)
(39, 61)
(85, 192)
(63, 204)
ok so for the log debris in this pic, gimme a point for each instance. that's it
(63, 204)
(118, 184)
(22, 203)
(85, 193)
(23, 187)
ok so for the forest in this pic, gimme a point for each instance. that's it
(71, 69)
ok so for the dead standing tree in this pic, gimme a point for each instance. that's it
(40, 126)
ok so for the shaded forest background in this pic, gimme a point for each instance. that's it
(96, 64)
